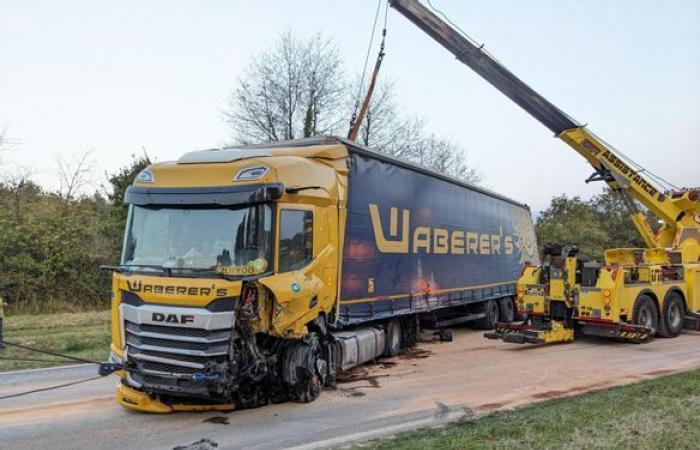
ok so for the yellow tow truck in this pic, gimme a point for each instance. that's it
(635, 293)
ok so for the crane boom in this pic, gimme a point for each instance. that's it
(679, 211)
(486, 66)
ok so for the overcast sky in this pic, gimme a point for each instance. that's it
(118, 76)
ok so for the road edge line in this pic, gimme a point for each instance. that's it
(386, 431)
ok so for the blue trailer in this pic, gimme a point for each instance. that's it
(417, 241)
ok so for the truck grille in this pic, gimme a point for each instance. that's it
(167, 355)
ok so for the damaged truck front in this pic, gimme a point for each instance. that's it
(252, 275)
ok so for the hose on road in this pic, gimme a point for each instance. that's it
(49, 388)
(46, 352)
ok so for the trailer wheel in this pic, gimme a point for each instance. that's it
(392, 346)
(645, 312)
(672, 316)
(507, 308)
(491, 311)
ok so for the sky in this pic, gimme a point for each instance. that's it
(119, 77)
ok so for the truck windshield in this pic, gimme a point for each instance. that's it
(234, 241)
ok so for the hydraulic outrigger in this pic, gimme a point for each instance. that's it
(637, 292)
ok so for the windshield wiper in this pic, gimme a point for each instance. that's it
(169, 269)
(125, 267)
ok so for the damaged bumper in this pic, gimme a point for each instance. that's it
(141, 401)
(176, 352)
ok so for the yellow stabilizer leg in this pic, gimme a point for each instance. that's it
(527, 334)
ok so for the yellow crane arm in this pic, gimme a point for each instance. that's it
(680, 211)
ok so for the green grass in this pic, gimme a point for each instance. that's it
(656, 414)
(82, 334)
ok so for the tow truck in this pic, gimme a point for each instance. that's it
(636, 293)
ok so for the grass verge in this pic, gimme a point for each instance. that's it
(657, 414)
(83, 334)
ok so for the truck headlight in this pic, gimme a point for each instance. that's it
(251, 173)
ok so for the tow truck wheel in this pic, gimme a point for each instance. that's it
(672, 316)
(645, 312)
(507, 309)
(491, 316)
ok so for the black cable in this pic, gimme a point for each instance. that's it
(369, 50)
(386, 14)
(33, 391)
(10, 358)
(454, 25)
(46, 352)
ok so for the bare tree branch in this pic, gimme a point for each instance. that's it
(294, 90)
(74, 173)
(299, 89)
(446, 157)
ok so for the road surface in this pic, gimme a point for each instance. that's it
(436, 382)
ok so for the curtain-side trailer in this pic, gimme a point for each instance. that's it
(254, 274)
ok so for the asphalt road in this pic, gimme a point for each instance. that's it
(437, 382)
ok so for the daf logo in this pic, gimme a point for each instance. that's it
(172, 318)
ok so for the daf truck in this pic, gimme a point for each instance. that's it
(254, 274)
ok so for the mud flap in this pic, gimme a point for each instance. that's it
(636, 334)
(692, 321)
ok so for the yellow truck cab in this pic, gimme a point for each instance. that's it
(178, 253)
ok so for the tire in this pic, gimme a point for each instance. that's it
(672, 316)
(507, 309)
(645, 312)
(302, 366)
(393, 341)
(491, 310)
(309, 389)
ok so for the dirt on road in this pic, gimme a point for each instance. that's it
(434, 381)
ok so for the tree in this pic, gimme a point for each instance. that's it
(298, 89)
(293, 90)
(445, 156)
(74, 173)
(613, 214)
(572, 221)
(385, 129)
(51, 247)
(595, 225)
(120, 181)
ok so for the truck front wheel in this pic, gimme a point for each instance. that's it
(304, 369)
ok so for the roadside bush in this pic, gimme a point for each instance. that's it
(51, 245)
